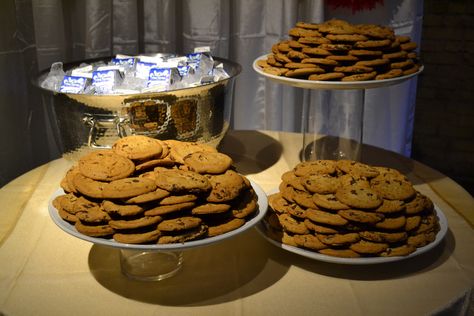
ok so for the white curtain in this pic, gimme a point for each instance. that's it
(39, 32)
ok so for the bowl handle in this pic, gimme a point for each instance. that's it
(104, 129)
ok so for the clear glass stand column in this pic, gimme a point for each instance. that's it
(145, 265)
(333, 124)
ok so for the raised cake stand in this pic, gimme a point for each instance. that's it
(318, 146)
(155, 262)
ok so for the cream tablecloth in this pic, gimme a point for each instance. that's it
(44, 271)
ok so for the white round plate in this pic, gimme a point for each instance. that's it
(70, 229)
(443, 223)
(332, 85)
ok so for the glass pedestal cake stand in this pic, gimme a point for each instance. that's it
(315, 144)
(155, 262)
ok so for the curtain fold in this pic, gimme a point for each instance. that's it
(47, 31)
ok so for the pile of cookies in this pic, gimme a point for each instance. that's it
(145, 191)
(350, 209)
(339, 51)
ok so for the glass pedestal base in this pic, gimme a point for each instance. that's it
(150, 265)
(333, 124)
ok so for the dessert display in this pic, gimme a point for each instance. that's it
(349, 209)
(149, 191)
(337, 50)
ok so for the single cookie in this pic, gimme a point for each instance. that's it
(282, 58)
(105, 165)
(360, 77)
(409, 46)
(316, 51)
(225, 187)
(314, 167)
(246, 205)
(182, 181)
(326, 218)
(226, 227)
(397, 55)
(89, 187)
(329, 201)
(383, 237)
(336, 48)
(403, 250)
(342, 253)
(67, 202)
(428, 223)
(121, 210)
(191, 234)
(392, 188)
(371, 44)
(138, 238)
(361, 216)
(364, 53)
(291, 225)
(306, 25)
(418, 204)
(303, 72)
(177, 199)
(327, 76)
(155, 195)
(127, 188)
(179, 224)
(372, 63)
(358, 197)
(309, 241)
(166, 209)
(320, 61)
(412, 222)
(353, 180)
(295, 55)
(346, 37)
(390, 206)
(137, 147)
(343, 58)
(320, 229)
(393, 73)
(296, 211)
(277, 202)
(94, 230)
(275, 71)
(179, 150)
(304, 199)
(303, 32)
(422, 239)
(313, 40)
(339, 239)
(375, 31)
(296, 45)
(320, 183)
(392, 223)
(354, 69)
(368, 248)
(149, 164)
(357, 168)
(68, 217)
(135, 223)
(210, 208)
(206, 162)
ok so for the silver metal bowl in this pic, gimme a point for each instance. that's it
(83, 122)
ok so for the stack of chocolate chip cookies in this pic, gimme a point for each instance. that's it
(349, 209)
(340, 51)
(145, 191)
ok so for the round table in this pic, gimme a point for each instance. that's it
(44, 271)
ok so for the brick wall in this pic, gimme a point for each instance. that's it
(444, 123)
